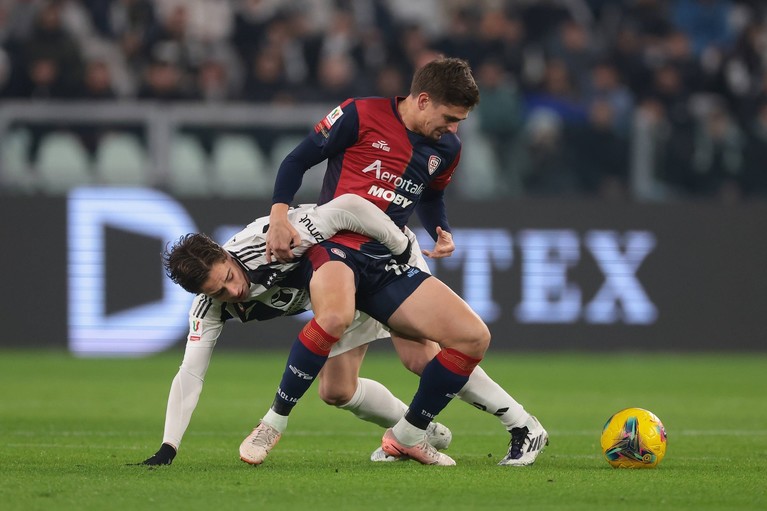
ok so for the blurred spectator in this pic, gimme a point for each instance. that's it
(600, 154)
(650, 19)
(717, 158)
(213, 83)
(251, 18)
(97, 86)
(676, 51)
(542, 157)
(500, 114)
(543, 18)
(97, 83)
(208, 21)
(502, 37)
(413, 45)
(755, 156)
(577, 50)
(265, 79)
(164, 81)
(576, 66)
(49, 67)
(706, 23)
(52, 57)
(168, 41)
(337, 80)
(605, 85)
(626, 54)
(342, 37)
(744, 71)
(390, 82)
(461, 38)
(287, 33)
(676, 146)
(558, 93)
(130, 22)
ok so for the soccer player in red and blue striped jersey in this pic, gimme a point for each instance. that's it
(400, 154)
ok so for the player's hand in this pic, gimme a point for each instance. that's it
(162, 457)
(404, 257)
(281, 236)
(444, 247)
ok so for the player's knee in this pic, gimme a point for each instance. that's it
(334, 323)
(335, 395)
(415, 364)
(477, 341)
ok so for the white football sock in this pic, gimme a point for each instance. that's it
(484, 393)
(275, 420)
(407, 434)
(372, 402)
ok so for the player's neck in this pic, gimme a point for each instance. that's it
(405, 108)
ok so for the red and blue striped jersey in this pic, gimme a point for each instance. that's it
(372, 154)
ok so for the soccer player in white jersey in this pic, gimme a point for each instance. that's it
(241, 285)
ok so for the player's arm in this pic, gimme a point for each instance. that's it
(187, 384)
(350, 212)
(332, 135)
(432, 213)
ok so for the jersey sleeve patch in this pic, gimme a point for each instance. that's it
(328, 121)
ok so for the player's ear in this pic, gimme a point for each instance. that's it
(423, 100)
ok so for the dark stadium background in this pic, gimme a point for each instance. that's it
(633, 120)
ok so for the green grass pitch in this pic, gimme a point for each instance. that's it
(71, 427)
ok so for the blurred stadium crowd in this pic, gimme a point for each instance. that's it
(642, 99)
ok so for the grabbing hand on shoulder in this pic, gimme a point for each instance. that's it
(281, 236)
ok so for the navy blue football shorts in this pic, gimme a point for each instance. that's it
(381, 284)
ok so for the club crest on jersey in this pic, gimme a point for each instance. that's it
(433, 164)
(337, 251)
(282, 298)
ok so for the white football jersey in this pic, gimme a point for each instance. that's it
(275, 289)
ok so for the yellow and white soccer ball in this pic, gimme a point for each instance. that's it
(634, 438)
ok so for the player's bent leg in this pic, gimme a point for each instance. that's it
(433, 311)
(308, 354)
(414, 353)
(339, 377)
(369, 400)
(332, 288)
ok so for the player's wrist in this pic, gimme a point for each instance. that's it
(279, 212)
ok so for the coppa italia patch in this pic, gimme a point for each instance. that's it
(194, 335)
(330, 119)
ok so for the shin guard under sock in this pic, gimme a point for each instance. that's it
(307, 356)
(441, 379)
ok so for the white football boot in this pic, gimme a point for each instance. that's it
(526, 444)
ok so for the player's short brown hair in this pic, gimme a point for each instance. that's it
(448, 81)
(189, 260)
